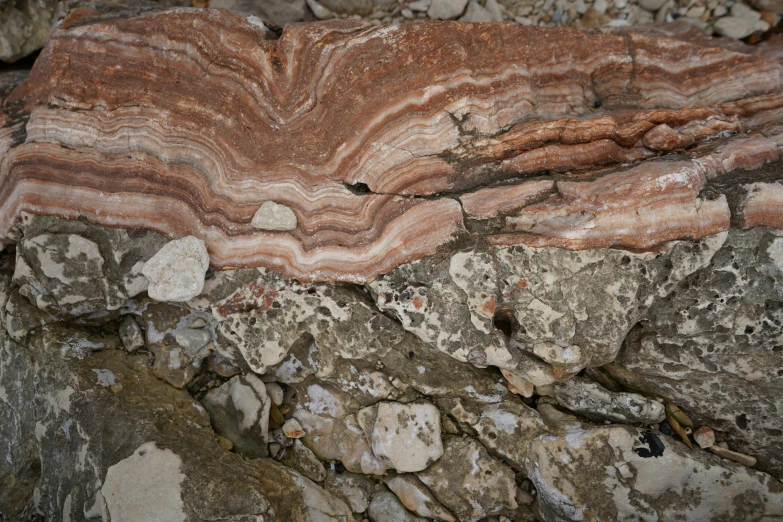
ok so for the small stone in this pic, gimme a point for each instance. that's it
(524, 498)
(275, 392)
(735, 27)
(517, 384)
(720, 11)
(198, 323)
(407, 13)
(322, 13)
(596, 402)
(224, 443)
(273, 216)
(176, 272)
(130, 334)
(415, 496)
(651, 5)
(193, 340)
(704, 437)
(293, 430)
(446, 9)
(274, 449)
(385, 507)
(745, 460)
(601, 6)
(695, 12)
(420, 5)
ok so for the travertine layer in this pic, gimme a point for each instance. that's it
(381, 140)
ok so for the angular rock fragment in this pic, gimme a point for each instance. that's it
(385, 507)
(406, 436)
(415, 496)
(355, 490)
(239, 411)
(620, 472)
(301, 459)
(469, 482)
(596, 402)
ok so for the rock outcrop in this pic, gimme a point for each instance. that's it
(238, 284)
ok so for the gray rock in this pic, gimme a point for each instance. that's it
(775, 6)
(385, 507)
(405, 436)
(130, 334)
(713, 347)
(349, 7)
(74, 268)
(622, 473)
(273, 216)
(77, 466)
(176, 272)
(24, 27)
(469, 482)
(528, 312)
(239, 411)
(596, 402)
(651, 5)
(355, 490)
(279, 12)
(478, 13)
(301, 459)
(446, 9)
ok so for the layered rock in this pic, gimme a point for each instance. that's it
(237, 273)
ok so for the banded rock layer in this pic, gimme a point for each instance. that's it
(389, 144)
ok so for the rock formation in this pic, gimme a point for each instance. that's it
(396, 272)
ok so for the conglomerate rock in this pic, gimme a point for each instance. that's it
(414, 305)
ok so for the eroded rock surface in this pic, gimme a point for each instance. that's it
(237, 284)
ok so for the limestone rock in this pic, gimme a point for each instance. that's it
(300, 458)
(273, 216)
(711, 349)
(355, 490)
(385, 507)
(619, 472)
(239, 411)
(406, 436)
(176, 272)
(469, 482)
(130, 334)
(594, 401)
(279, 12)
(415, 496)
(445, 9)
(24, 27)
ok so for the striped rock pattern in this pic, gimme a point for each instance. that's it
(389, 144)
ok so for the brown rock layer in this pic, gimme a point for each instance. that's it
(186, 121)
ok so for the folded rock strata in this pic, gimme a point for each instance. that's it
(396, 281)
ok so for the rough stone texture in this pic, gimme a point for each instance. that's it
(594, 401)
(72, 454)
(618, 472)
(469, 482)
(301, 459)
(355, 490)
(75, 268)
(176, 272)
(385, 507)
(24, 26)
(239, 411)
(713, 347)
(406, 436)
(272, 216)
(415, 496)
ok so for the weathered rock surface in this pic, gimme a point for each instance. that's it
(592, 400)
(714, 346)
(616, 473)
(24, 27)
(231, 271)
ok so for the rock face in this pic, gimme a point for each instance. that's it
(624, 472)
(238, 284)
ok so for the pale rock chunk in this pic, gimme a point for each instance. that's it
(353, 489)
(176, 272)
(596, 402)
(385, 507)
(239, 411)
(417, 498)
(446, 9)
(275, 392)
(405, 436)
(146, 486)
(273, 216)
(292, 429)
(624, 473)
